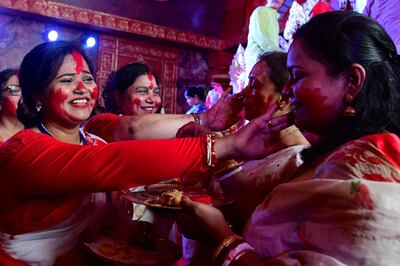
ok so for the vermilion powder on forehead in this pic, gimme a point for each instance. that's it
(78, 60)
(150, 75)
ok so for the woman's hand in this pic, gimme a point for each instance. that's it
(225, 113)
(192, 129)
(202, 222)
(254, 141)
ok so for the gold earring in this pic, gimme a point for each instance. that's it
(349, 110)
(38, 107)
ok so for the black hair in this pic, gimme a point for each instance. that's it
(121, 80)
(276, 62)
(5, 75)
(199, 91)
(340, 39)
(38, 69)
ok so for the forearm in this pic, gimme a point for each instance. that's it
(44, 166)
(224, 148)
(150, 126)
(249, 258)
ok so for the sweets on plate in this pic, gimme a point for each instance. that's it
(172, 197)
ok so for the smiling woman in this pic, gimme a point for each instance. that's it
(54, 173)
(9, 96)
(133, 90)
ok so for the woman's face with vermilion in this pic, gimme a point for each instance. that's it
(142, 97)
(9, 101)
(71, 96)
(319, 98)
(261, 94)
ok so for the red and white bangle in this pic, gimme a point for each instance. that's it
(237, 252)
(211, 157)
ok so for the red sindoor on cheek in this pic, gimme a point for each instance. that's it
(314, 101)
(94, 94)
(57, 98)
(10, 106)
(79, 62)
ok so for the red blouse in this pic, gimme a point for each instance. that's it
(44, 180)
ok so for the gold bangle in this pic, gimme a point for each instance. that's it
(211, 157)
(229, 166)
(225, 244)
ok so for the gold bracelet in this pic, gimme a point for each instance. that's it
(211, 157)
(225, 244)
(226, 167)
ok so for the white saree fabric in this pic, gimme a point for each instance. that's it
(41, 248)
(344, 212)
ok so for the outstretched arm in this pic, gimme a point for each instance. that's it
(222, 115)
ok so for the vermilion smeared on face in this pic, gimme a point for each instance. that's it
(314, 101)
(150, 76)
(78, 60)
(158, 105)
(137, 101)
(57, 98)
(9, 106)
(94, 93)
(81, 85)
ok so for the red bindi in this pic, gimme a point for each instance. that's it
(78, 61)
(151, 86)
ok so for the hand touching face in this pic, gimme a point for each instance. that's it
(261, 93)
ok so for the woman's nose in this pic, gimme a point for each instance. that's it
(150, 97)
(81, 87)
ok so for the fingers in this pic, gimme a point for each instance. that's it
(268, 115)
(276, 124)
(187, 203)
(225, 93)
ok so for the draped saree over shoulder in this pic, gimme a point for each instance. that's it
(346, 211)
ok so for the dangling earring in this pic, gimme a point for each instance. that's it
(349, 110)
(281, 103)
(38, 107)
